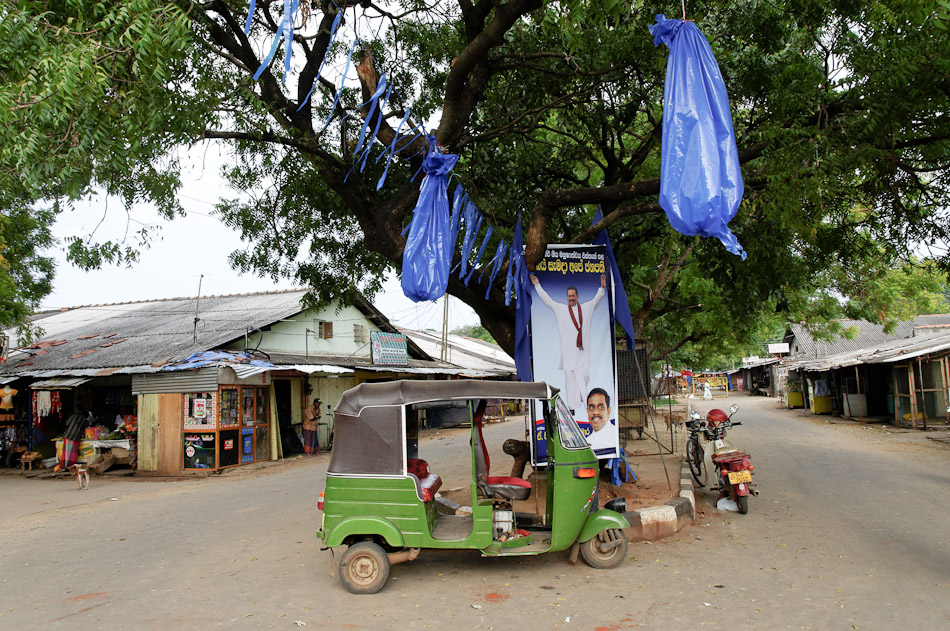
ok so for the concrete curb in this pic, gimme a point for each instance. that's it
(656, 522)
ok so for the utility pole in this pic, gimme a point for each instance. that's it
(198, 304)
(445, 330)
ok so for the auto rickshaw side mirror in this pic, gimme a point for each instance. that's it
(694, 415)
(733, 409)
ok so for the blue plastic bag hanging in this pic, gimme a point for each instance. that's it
(429, 247)
(700, 181)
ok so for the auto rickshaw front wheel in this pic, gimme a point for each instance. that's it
(606, 550)
(364, 568)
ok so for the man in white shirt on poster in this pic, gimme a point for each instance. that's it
(573, 325)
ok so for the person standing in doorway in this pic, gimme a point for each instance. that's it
(311, 420)
(573, 325)
(75, 427)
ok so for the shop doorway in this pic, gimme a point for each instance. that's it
(289, 440)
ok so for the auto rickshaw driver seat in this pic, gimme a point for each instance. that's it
(493, 486)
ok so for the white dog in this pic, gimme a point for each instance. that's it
(82, 474)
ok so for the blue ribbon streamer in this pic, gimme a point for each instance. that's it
(515, 262)
(496, 265)
(333, 30)
(379, 121)
(382, 178)
(478, 257)
(473, 222)
(373, 103)
(288, 34)
(336, 99)
(250, 14)
(277, 37)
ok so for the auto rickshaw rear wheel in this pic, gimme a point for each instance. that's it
(364, 568)
(606, 550)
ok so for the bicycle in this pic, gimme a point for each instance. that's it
(694, 452)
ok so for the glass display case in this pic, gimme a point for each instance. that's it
(226, 428)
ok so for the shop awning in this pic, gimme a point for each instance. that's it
(63, 383)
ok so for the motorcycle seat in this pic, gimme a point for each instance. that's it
(730, 455)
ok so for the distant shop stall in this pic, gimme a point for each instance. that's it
(205, 420)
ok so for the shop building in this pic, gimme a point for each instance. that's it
(202, 385)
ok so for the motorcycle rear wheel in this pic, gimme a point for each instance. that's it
(694, 456)
(743, 502)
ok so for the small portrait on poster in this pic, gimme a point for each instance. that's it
(572, 338)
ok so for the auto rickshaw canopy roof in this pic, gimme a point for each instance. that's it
(368, 420)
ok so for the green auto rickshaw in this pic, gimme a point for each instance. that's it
(381, 498)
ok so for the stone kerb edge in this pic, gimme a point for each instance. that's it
(656, 522)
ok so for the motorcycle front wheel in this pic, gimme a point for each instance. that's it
(694, 456)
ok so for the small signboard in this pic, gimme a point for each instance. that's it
(389, 349)
(776, 349)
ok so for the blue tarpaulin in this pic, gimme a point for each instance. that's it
(217, 357)
(430, 246)
(700, 181)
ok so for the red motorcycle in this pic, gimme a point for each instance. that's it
(733, 467)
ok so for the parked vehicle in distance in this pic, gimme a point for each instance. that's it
(380, 496)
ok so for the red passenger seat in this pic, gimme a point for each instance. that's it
(429, 483)
(499, 486)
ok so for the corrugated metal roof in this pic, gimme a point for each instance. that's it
(869, 335)
(132, 334)
(141, 337)
(59, 383)
(465, 352)
(888, 352)
(766, 361)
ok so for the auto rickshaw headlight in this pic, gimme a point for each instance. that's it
(618, 504)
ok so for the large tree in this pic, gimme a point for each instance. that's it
(554, 107)
(26, 275)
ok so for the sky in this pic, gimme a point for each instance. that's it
(189, 247)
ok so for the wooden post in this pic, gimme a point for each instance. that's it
(943, 377)
(857, 377)
(911, 379)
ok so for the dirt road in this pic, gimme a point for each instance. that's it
(848, 534)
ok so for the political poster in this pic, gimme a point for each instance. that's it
(572, 341)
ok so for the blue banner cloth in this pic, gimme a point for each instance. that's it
(523, 309)
(621, 304)
(700, 180)
(429, 247)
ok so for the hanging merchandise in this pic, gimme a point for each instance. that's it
(700, 180)
(429, 247)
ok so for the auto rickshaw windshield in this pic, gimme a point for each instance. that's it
(570, 433)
